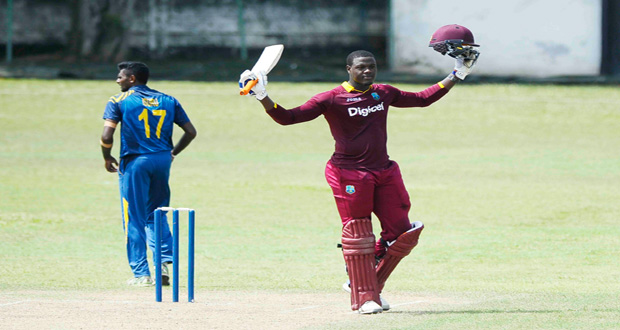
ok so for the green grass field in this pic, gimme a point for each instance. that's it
(518, 187)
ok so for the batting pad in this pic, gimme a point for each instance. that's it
(397, 250)
(358, 248)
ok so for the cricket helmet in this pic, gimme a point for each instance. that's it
(453, 40)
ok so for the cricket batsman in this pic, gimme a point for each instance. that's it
(363, 178)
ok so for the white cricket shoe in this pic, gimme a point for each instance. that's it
(165, 274)
(370, 307)
(384, 304)
(141, 281)
(346, 286)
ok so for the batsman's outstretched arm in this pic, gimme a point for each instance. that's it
(449, 82)
(277, 113)
(267, 103)
(189, 133)
(463, 66)
(303, 113)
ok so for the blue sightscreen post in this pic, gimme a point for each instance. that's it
(175, 255)
(190, 253)
(157, 256)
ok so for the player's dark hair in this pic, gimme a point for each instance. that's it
(138, 69)
(358, 53)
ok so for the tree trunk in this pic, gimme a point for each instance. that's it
(100, 28)
(158, 22)
(91, 15)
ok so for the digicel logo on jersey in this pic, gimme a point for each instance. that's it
(365, 111)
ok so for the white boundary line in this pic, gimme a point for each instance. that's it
(138, 302)
(401, 304)
(15, 303)
(409, 303)
(45, 301)
(301, 309)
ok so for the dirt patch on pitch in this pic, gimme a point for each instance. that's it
(136, 309)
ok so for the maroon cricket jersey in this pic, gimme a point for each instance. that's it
(357, 120)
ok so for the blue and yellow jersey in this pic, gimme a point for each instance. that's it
(147, 118)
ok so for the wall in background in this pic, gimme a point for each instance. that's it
(517, 37)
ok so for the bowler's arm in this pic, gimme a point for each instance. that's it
(189, 134)
(107, 140)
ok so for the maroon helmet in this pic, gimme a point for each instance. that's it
(450, 39)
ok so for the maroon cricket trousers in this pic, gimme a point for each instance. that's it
(360, 192)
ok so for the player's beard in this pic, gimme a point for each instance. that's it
(366, 80)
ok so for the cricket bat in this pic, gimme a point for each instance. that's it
(267, 60)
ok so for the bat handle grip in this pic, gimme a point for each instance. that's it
(246, 89)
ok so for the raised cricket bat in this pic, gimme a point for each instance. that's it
(267, 60)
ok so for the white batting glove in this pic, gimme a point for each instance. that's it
(464, 64)
(245, 77)
(258, 90)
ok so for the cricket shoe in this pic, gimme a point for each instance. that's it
(384, 304)
(165, 274)
(370, 307)
(346, 286)
(140, 281)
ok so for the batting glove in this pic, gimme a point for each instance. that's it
(258, 90)
(464, 64)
